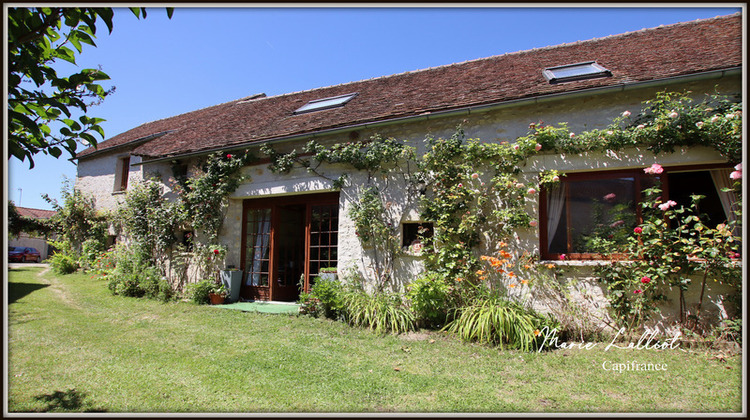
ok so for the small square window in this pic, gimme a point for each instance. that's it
(572, 72)
(416, 232)
(325, 103)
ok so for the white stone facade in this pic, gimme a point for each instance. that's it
(506, 123)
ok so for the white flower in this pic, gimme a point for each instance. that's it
(626, 114)
(714, 118)
(699, 124)
(555, 178)
(673, 115)
(572, 135)
(610, 132)
(730, 116)
(641, 127)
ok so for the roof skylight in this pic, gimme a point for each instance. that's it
(325, 103)
(571, 72)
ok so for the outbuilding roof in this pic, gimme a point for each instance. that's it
(664, 52)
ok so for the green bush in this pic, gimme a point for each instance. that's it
(382, 313)
(329, 293)
(199, 291)
(91, 251)
(429, 298)
(496, 320)
(63, 263)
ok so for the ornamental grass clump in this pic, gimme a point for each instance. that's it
(382, 313)
(495, 320)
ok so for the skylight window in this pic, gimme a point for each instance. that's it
(571, 72)
(325, 103)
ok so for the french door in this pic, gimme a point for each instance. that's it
(285, 243)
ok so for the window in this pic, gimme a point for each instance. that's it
(122, 172)
(586, 215)
(572, 72)
(326, 103)
(414, 233)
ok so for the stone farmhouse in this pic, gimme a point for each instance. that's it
(279, 227)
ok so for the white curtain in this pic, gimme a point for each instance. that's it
(262, 237)
(728, 199)
(555, 206)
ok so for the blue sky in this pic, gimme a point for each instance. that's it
(206, 56)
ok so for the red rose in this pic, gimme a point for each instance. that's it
(229, 156)
(638, 230)
(638, 291)
(645, 280)
(216, 252)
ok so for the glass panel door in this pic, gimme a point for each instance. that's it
(289, 258)
(324, 235)
(257, 253)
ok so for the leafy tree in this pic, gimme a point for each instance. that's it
(40, 100)
(18, 224)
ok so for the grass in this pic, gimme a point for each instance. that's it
(74, 347)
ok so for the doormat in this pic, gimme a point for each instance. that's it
(265, 307)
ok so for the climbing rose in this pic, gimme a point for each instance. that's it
(673, 115)
(641, 126)
(738, 167)
(538, 147)
(531, 191)
(229, 156)
(460, 185)
(555, 178)
(735, 175)
(532, 223)
(474, 175)
(572, 135)
(714, 118)
(645, 280)
(667, 205)
(562, 257)
(654, 169)
(626, 114)
(638, 291)
(699, 124)
(216, 252)
(516, 147)
(638, 230)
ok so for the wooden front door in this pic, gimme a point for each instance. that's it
(285, 242)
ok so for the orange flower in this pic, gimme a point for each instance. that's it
(524, 282)
(537, 332)
(459, 279)
(527, 266)
(550, 266)
(511, 274)
(512, 285)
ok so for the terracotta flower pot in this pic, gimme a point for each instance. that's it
(216, 299)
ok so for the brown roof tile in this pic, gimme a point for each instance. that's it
(35, 213)
(649, 54)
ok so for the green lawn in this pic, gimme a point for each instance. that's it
(74, 347)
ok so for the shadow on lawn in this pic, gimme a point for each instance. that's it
(70, 400)
(18, 290)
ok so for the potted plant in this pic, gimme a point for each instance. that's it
(328, 273)
(218, 295)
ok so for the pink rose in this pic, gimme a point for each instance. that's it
(645, 280)
(654, 169)
(735, 175)
(673, 115)
(562, 257)
(531, 191)
(516, 147)
(538, 147)
(555, 178)
(667, 205)
(738, 167)
(460, 185)
(229, 156)
(638, 230)
(474, 175)
(610, 197)
(626, 114)
(532, 223)
(637, 291)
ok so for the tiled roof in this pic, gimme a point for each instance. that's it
(641, 56)
(35, 213)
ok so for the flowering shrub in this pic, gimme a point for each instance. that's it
(670, 247)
